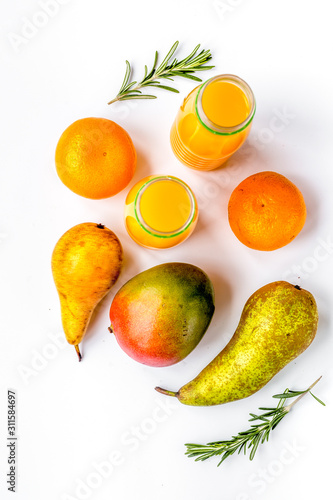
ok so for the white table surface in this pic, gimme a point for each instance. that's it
(97, 429)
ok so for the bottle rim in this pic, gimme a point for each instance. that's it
(210, 125)
(164, 234)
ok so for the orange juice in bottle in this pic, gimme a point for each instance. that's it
(160, 212)
(213, 122)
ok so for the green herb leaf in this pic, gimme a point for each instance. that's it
(167, 70)
(317, 399)
(257, 434)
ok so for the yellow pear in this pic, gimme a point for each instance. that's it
(279, 321)
(86, 263)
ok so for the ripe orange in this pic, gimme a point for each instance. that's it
(266, 211)
(95, 158)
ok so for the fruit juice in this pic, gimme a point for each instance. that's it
(160, 212)
(213, 122)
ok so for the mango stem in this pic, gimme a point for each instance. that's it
(78, 352)
(167, 393)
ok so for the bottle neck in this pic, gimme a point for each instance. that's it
(162, 206)
(208, 123)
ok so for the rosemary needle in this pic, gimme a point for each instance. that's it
(168, 70)
(257, 434)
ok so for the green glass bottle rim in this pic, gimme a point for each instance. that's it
(163, 234)
(213, 127)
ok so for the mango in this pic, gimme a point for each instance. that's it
(159, 316)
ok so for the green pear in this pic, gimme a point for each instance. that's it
(279, 321)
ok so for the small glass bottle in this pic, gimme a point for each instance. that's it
(213, 122)
(160, 212)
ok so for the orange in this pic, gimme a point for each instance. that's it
(266, 211)
(95, 158)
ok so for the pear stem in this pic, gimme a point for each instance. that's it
(167, 393)
(78, 352)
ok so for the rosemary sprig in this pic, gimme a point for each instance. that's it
(168, 70)
(257, 434)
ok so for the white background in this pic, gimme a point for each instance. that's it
(74, 419)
